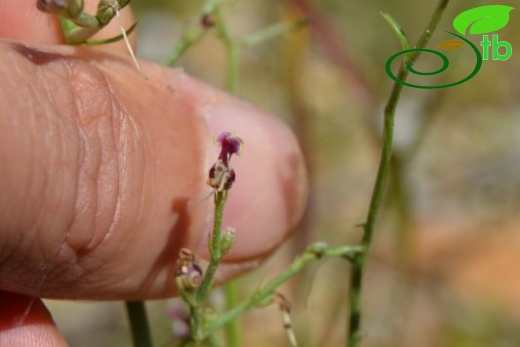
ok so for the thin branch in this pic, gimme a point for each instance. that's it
(359, 261)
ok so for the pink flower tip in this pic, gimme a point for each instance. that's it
(230, 144)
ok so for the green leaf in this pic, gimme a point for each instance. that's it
(397, 29)
(483, 19)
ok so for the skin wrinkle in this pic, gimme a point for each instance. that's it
(39, 163)
(66, 146)
(115, 140)
(64, 243)
(88, 201)
(127, 135)
(120, 164)
(57, 133)
(57, 156)
(126, 140)
(83, 269)
(115, 216)
(67, 244)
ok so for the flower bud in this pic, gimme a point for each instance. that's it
(226, 240)
(221, 176)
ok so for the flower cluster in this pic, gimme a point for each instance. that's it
(221, 175)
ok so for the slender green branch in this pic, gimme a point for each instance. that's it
(214, 247)
(233, 327)
(189, 37)
(139, 325)
(359, 261)
(197, 302)
(271, 32)
(233, 50)
(263, 295)
(192, 33)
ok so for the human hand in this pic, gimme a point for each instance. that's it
(103, 175)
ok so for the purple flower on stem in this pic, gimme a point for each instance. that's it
(221, 175)
(229, 145)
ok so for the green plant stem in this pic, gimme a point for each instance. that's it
(139, 326)
(192, 33)
(214, 247)
(233, 327)
(359, 260)
(272, 32)
(190, 36)
(197, 302)
(264, 294)
(233, 51)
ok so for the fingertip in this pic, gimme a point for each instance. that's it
(26, 322)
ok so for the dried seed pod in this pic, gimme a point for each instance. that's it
(207, 21)
(188, 274)
(285, 308)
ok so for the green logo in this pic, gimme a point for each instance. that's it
(478, 21)
(482, 20)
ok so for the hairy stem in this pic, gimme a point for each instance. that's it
(359, 261)
(214, 247)
(233, 327)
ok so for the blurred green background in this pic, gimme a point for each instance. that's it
(444, 271)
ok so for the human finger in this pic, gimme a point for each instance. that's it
(105, 173)
(24, 321)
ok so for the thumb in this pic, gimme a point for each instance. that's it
(103, 174)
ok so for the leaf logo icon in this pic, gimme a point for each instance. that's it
(451, 45)
(483, 19)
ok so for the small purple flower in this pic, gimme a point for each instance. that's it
(230, 144)
(221, 175)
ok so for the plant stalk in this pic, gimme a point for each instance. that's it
(359, 260)
(264, 295)
(139, 325)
